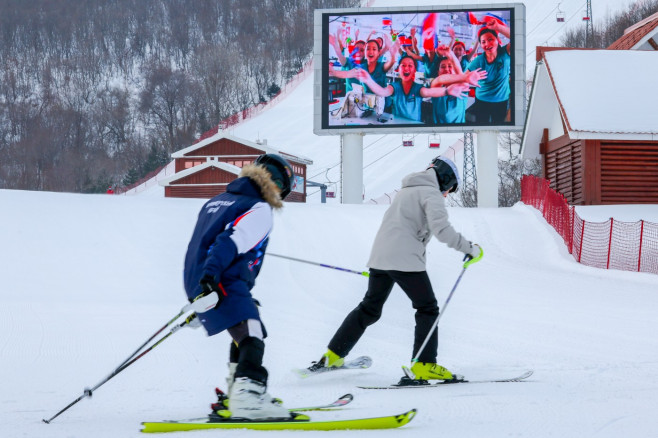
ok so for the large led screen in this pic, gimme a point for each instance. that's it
(405, 69)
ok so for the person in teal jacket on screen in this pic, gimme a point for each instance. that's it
(492, 97)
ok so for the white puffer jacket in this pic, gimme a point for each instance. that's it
(417, 213)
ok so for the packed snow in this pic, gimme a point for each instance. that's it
(86, 279)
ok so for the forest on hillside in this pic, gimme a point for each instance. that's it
(98, 93)
(611, 28)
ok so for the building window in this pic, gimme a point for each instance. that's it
(189, 164)
(239, 163)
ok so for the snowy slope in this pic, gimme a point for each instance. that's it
(87, 278)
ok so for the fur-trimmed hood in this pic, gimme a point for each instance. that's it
(258, 174)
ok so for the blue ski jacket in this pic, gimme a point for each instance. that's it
(229, 242)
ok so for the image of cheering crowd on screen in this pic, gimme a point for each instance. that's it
(433, 68)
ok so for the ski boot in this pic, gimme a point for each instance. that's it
(421, 372)
(328, 360)
(430, 371)
(222, 398)
(222, 401)
(249, 400)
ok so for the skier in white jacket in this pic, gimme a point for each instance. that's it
(417, 213)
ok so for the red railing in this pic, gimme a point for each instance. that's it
(613, 244)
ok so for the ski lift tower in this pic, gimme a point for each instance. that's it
(589, 30)
(469, 174)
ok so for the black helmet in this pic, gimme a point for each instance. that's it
(446, 174)
(280, 169)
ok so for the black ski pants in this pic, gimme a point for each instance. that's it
(418, 288)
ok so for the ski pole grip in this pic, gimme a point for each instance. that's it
(202, 303)
(469, 259)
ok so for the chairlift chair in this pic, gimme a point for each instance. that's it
(559, 17)
(331, 190)
(434, 141)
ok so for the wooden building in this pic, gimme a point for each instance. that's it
(204, 169)
(592, 120)
(640, 36)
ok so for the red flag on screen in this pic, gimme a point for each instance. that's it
(473, 19)
(500, 20)
(429, 32)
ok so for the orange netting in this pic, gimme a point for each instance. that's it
(628, 246)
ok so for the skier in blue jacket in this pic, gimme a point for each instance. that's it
(224, 257)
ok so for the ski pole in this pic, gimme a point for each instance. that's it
(197, 305)
(468, 261)
(171, 321)
(364, 273)
(88, 392)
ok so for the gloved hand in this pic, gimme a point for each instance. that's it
(210, 285)
(474, 255)
(211, 296)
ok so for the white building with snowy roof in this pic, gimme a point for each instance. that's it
(592, 119)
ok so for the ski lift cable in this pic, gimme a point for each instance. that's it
(365, 167)
(326, 170)
(559, 30)
(388, 153)
(338, 164)
(380, 138)
(544, 19)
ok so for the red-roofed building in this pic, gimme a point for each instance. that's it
(204, 169)
(597, 135)
(640, 36)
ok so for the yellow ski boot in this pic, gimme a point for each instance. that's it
(332, 360)
(328, 360)
(430, 371)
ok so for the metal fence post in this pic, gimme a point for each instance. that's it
(612, 221)
(639, 258)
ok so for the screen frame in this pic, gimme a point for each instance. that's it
(321, 74)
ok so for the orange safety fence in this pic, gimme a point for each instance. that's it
(613, 244)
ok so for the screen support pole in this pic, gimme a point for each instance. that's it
(352, 168)
(487, 168)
